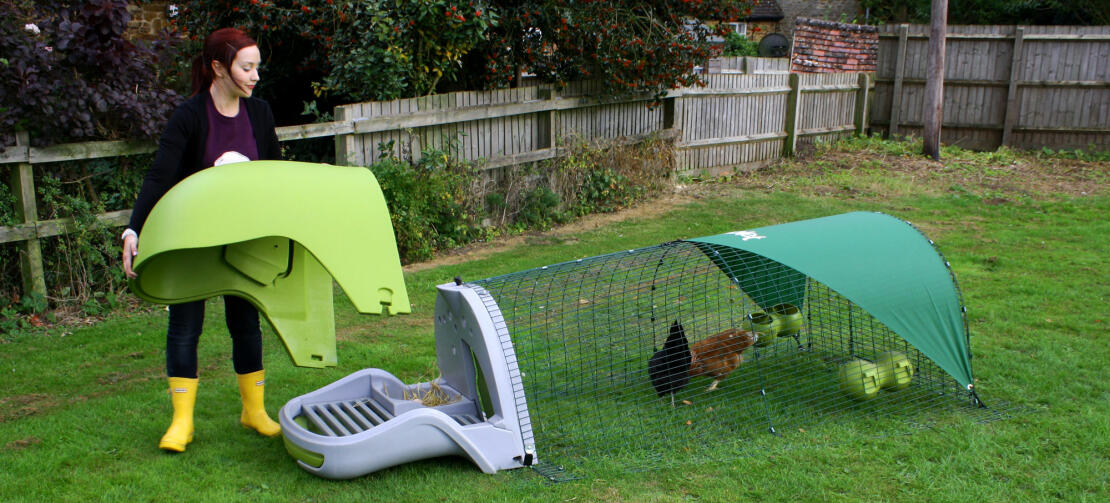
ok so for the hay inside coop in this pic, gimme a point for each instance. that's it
(648, 354)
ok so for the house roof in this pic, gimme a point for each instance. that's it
(765, 10)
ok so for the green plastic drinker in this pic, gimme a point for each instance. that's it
(760, 323)
(787, 319)
(275, 233)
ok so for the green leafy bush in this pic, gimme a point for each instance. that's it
(430, 202)
(540, 209)
(24, 314)
(81, 267)
(342, 52)
(739, 45)
(601, 178)
(437, 202)
(68, 73)
(1092, 154)
(627, 46)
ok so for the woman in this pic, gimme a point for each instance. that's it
(219, 123)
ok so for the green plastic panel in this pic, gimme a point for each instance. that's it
(276, 233)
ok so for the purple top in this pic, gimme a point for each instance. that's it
(228, 134)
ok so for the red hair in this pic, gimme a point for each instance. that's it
(222, 45)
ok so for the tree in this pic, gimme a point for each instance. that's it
(342, 51)
(356, 50)
(1028, 12)
(67, 73)
(414, 44)
(628, 46)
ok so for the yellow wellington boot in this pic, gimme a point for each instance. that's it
(183, 396)
(252, 388)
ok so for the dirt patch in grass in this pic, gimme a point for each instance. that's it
(23, 443)
(18, 406)
(133, 376)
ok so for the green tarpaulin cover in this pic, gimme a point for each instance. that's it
(879, 262)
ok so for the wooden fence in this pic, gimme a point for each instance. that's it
(1020, 86)
(737, 121)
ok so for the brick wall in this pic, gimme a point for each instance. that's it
(147, 19)
(831, 47)
(759, 29)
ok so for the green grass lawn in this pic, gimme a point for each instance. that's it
(82, 406)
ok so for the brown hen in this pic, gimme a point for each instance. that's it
(718, 355)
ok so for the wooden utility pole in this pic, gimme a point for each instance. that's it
(934, 79)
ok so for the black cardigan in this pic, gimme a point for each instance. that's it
(181, 149)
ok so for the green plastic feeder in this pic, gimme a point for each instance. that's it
(275, 233)
(762, 324)
(895, 370)
(860, 379)
(787, 319)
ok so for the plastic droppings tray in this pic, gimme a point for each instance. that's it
(371, 420)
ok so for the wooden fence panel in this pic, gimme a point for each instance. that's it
(748, 65)
(476, 139)
(608, 121)
(1054, 91)
(735, 122)
(767, 65)
(828, 106)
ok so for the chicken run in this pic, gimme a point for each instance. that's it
(647, 354)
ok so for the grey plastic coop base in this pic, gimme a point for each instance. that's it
(364, 423)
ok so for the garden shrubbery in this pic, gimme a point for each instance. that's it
(82, 269)
(739, 45)
(436, 203)
(432, 202)
(68, 74)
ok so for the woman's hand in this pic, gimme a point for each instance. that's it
(130, 249)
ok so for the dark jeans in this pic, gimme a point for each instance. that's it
(186, 321)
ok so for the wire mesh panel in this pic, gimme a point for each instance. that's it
(584, 332)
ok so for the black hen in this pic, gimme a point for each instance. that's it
(669, 368)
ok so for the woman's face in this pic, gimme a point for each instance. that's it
(240, 79)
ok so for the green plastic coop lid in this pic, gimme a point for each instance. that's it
(879, 262)
(276, 233)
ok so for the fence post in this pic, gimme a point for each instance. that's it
(1012, 104)
(341, 155)
(791, 121)
(899, 75)
(863, 98)
(26, 211)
